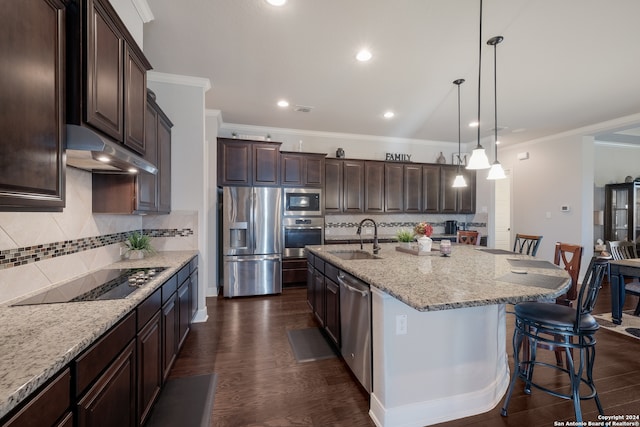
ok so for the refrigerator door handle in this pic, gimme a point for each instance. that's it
(251, 258)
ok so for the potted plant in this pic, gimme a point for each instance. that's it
(137, 245)
(405, 237)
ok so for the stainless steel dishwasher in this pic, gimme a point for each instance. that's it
(355, 327)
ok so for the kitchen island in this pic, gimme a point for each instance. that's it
(451, 360)
(38, 341)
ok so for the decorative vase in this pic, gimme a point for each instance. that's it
(425, 243)
(405, 245)
(133, 254)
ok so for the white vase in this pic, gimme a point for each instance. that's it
(424, 244)
(136, 254)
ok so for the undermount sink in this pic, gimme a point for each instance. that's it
(354, 254)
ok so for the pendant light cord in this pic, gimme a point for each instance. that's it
(459, 159)
(495, 97)
(479, 70)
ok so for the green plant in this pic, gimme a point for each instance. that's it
(404, 236)
(139, 242)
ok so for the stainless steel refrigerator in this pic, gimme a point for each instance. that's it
(252, 241)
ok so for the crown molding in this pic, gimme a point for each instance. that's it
(143, 9)
(155, 76)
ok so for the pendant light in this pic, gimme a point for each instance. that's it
(496, 171)
(459, 182)
(479, 159)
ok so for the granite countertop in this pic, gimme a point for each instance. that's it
(469, 277)
(36, 341)
(369, 237)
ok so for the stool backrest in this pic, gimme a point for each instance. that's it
(569, 256)
(591, 287)
(621, 249)
(468, 237)
(526, 243)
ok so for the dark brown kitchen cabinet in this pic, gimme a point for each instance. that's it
(169, 331)
(431, 188)
(311, 299)
(457, 200)
(412, 188)
(467, 195)
(332, 303)
(184, 312)
(394, 187)
(149, 354)
(374, 183)
(111, 401)
(49, 407)
(333, 185)
(247, 163)
(193, 267)
(319, 293)
(294, 271)
(164, 162)
(323, 295)
(32, 78)
(106, 74)
(301, 169)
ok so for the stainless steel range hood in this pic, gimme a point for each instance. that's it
(90, 151)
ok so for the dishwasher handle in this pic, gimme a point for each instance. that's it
(343, 282)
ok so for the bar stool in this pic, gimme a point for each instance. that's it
(468, 237)
(539, 322)
(526, 243)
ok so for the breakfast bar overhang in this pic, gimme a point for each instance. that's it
(452, 361)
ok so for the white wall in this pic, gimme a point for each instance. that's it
(212, 123)
(182, 99)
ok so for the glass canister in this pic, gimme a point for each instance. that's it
(445, 247)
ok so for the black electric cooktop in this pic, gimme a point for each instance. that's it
(106, 284)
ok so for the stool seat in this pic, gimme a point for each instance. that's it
(558, 316)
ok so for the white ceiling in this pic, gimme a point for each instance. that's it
(562, 65)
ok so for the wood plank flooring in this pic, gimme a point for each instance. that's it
(260, 383)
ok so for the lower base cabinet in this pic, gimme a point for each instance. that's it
(323, 295)
(150, 373)
(111, 401)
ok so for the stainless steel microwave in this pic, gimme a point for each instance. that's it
(302, 202)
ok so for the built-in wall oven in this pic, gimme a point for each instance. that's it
(302, 202)
(299, 232)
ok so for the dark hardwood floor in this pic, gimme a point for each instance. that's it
(260, 384)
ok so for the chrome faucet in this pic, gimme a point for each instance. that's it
(376, 247)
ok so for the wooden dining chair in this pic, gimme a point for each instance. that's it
(468, 237)
(526, 244)
(621, 249)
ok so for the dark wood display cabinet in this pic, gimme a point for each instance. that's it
(301, 169)
(106, 74)
(247, 163)
(32, 48)
(622, 212)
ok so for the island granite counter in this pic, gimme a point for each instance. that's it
(451, 362)
(37, 341)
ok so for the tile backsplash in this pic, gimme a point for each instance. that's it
(41, 249)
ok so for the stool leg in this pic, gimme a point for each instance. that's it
(575, 380)
(517, 342)
(591, 358)
(533, 351)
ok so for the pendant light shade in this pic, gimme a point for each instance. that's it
(496, 171)
(479, 159)
(459, 182)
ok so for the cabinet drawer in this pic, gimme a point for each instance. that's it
(183, 274)
(291, 264)
(148, 308)
(47, 406)
(318, 263)
(331, 271)
(97, 357)
(169, 288)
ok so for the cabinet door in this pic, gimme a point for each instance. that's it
(374, 181)
(135, 97)
(393, 187)
(333, 185)
(313, 171)
(147, 200)
(266, 158)
(193, 299)
(149, 366)
(292, 170)
(310, 283)
(111, 401)
(431, 188)
(32, 46)
(353, 188)
(164, 164)
(318, 290)
(234, 162)
(184, 313)
(332, 299)
(105, 86)
(412, 188)
(169, 333)
(467, 195)
(448, 194)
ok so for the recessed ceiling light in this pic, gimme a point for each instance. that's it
(283, 103)
(389, 114)
(276, 2)
(363, 55)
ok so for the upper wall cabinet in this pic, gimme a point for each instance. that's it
(106, 74)
(457, 200)
(246, 163)
(32, 92)
(301, 169)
